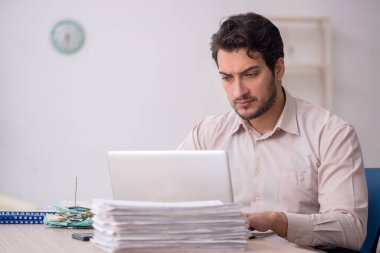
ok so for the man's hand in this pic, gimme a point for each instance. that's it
(264, 221)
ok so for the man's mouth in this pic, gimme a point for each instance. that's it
(244, 102)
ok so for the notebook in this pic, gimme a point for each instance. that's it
(170, 176)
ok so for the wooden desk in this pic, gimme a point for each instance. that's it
(41, 239)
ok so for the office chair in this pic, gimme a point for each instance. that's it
(373, 227)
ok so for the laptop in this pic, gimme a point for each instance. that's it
(170, 176)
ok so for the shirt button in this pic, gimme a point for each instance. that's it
(302, 178)
(257, 198)
(258, 168)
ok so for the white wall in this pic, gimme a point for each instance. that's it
(143, 78)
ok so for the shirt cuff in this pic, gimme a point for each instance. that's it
(300, 229)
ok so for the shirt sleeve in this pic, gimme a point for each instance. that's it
(342, 195)
(195, 139)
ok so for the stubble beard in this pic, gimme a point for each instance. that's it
(262, 108)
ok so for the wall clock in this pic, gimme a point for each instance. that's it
(67, 36)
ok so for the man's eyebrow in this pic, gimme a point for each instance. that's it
(242, 72)
(249, 69)
(223, 73)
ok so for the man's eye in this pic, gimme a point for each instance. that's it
(226, 78)
(250, 75)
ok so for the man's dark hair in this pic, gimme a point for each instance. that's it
(251, 31)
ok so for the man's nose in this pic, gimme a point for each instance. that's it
(239, 88)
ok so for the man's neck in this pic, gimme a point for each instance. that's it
(268, 120)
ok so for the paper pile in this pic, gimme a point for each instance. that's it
(130, 225)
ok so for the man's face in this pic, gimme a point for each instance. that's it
(249, 84)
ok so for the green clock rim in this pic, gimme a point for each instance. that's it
(81, 32)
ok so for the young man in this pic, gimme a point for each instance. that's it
(296, 168)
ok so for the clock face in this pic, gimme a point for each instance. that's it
(67, 36)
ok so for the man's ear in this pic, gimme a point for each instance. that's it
(279, 69)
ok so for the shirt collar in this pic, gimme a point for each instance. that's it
(287, 121)
(288, 118)
(240, 124)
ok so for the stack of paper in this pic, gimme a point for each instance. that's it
(131, 225)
